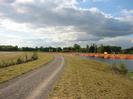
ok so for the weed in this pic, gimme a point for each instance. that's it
(35, 56)
(119, 68)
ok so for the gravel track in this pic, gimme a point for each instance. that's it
(35, 84)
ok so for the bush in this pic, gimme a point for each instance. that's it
(1, 64)
(119, 68)
(130, 75)
(12, 62)
(34, 56)
(19, 61)
(26, 58)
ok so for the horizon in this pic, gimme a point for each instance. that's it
(64, 46)
(63, 23)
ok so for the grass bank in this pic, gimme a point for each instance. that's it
(11, 59)
(8, 73)
(88, 79)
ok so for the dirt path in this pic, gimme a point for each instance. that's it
(35, 84)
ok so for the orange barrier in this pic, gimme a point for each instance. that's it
(130, 57)
(107, 56)
(101, 55)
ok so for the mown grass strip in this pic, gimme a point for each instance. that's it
(88, 79)
(8, 73)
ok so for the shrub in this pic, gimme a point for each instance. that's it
(34, 56)
(26, 58)
(122, 68)
(19, 61)
(4, 64)
(119, 68)
(1, 64)
(130, 75)
(13, 62)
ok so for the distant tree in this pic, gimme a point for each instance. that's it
(28, 49)
(128, 50)
(41, 49)
(93, 48)
(36, 49)
(83, 50)
(109, 49)
(76, 47)
(100, 49)
(59, 49)
(87, 48)
(8, 48)
(68, 49)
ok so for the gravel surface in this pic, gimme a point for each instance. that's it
(35, 84)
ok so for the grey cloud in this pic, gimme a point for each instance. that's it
(7, 1)
(124, 41)
(44, 14)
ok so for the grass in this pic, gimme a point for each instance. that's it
(130, 75)
(12, 55)
(18, 59)
(88, 79)
(119, 68)
(10, 72)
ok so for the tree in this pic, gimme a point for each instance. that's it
(93, 48)
(100, 49)
(68, 49)
(87, 48)
(76, 47)
(59, 49)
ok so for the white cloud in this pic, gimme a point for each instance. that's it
(61, 21)
(124, 41)
(127, 12)
(24, 1)
(126, 15)
(14, 26)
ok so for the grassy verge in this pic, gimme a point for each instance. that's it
(8, 73)
(24, 58)
(88, 79)
(130, 75)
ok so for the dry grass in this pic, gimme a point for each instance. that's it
(87, 79)
(12, 58)
(12, 55)
(7, 56)
(16, 70)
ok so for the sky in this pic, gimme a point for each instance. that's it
(66, 22)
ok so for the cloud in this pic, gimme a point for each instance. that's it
(124, 41)
(126, 15)
(62, 21)
(6, 1)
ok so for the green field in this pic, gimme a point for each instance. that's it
(88, 79)
(10, 72)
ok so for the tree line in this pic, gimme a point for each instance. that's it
(93, 48)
